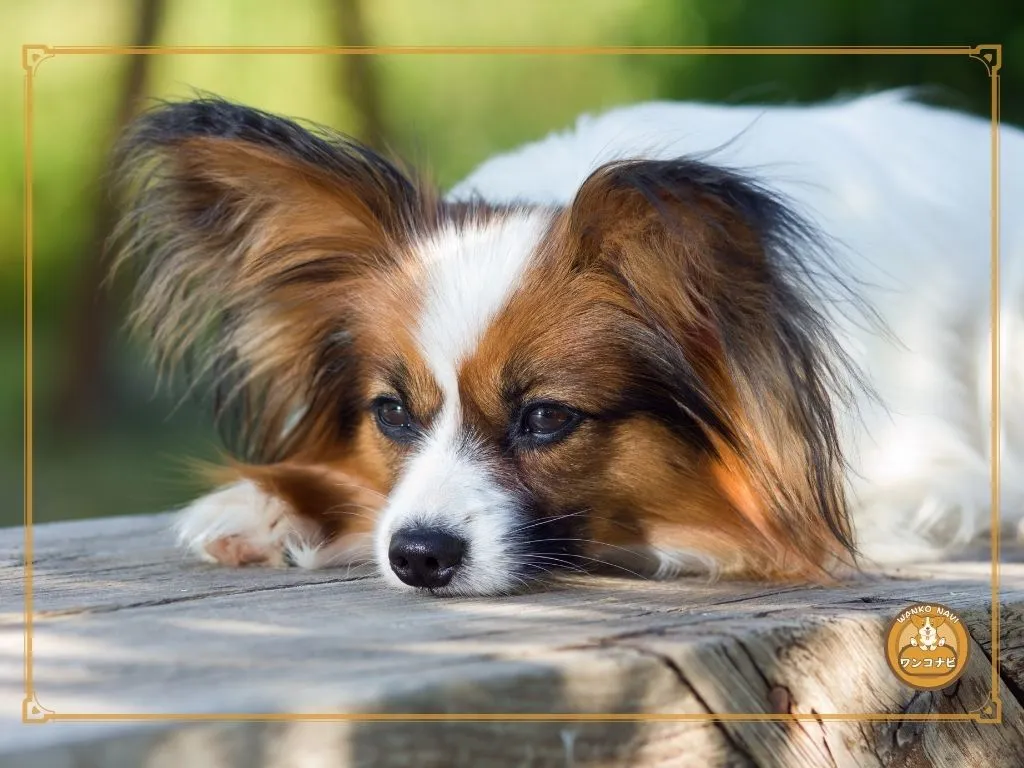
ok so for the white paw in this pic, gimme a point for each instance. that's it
(237, 525)
(241, 525)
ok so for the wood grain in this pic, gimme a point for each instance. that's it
(123, 624)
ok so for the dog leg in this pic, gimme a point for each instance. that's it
(244, 524)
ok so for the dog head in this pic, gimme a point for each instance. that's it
(640, 379)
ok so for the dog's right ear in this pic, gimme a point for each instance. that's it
(251, 234)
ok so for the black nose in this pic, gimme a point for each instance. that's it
(425, 557)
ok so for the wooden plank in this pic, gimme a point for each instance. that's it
(124, 624)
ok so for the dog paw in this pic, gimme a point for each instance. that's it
(236, 550)
(237, 525)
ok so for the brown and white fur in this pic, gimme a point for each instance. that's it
(612, 348)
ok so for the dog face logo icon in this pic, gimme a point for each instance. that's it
(926, 646)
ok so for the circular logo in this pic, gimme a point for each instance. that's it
(926, 646)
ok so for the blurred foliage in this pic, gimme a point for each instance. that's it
(445, 112)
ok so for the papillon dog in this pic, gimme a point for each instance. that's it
(749, 342)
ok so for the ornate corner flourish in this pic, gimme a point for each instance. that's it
(34, 712)
(991, 712)
(989, 55)
(34, 55)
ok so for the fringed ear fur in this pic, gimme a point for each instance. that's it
(727, 282)
(251, 235)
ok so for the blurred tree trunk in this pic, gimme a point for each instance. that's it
(359, 73)
(80, 397)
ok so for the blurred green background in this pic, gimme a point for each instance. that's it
(106, 441)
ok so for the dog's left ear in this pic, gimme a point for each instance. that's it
(715, 266)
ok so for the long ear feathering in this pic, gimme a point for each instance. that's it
(238, 221)
(731, 285)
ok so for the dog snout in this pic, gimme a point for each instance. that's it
(426, 557)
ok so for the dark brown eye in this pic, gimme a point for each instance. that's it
(392, 415)
(549, 420)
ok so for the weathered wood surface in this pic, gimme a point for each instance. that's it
(124, 624)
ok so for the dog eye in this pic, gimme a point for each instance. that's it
(392, 418)
(549, 420)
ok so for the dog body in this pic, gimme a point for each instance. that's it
(678, 337)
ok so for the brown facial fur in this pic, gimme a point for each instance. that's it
(706, 274)
(629, 476)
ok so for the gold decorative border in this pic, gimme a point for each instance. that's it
(991, 56)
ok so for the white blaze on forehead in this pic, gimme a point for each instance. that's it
(471, 271)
